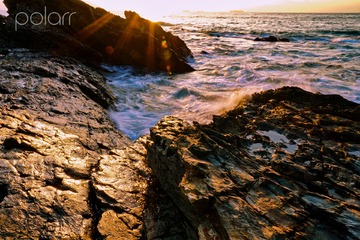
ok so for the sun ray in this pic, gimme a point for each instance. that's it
(131, 25)
(151, 48)
(93, 27)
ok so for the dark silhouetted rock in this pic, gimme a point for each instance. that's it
(271, 39)
(94, 35)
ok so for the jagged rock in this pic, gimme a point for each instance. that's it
(271, 39)
(115, 226)
(61, 92)
(93, 34)
(54, 129)
(65, 172)
(44, 174)
(262, 171)
(284, 164)
(163, 219)
(121, 182)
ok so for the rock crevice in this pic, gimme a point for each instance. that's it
(53, 137)
(284, 164)
(271, 168)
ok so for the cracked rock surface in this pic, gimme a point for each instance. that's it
(55, 136)
(284, 164)
(121, 181)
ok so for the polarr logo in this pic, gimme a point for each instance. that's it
(44, 18)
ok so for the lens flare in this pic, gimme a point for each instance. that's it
(109, 50)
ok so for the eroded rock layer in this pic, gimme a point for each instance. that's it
(283, 165)
(64, 170)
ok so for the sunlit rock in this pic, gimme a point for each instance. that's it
(53, 130)
(301, 185)
(284, 164)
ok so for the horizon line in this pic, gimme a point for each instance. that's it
(224, 11)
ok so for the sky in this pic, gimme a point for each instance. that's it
(169, 6)
(148, 8)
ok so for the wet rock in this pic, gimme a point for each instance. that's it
(45, 172)
(61, 92)
(163, 219)
(121, 181)
(54, 130)
(299, 186)
(271, 39)
(94, 35)
(118, 226)
(284, 164)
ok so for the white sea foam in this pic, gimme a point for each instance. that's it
(322, 56)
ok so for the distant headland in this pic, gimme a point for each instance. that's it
(201, 11)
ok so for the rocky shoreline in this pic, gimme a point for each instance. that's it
(284, 164)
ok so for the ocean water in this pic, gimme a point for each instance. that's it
(323, 55)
